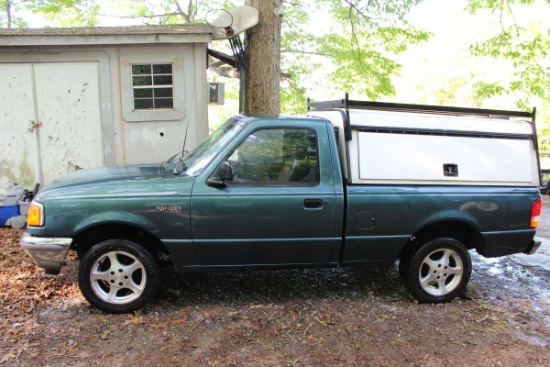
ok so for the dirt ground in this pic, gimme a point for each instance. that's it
(327, 317)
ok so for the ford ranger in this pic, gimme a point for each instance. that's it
(352, 184)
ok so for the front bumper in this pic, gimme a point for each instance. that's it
(47, 252)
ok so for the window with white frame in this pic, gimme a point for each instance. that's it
(152, 86)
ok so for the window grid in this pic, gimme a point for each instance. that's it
(152, 86)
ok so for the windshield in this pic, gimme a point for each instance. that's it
(192, 163)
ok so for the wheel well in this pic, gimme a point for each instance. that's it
(466, 234)
(91, 236)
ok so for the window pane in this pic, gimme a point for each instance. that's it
(162, 69)
(141, 69)
(277, 156)
(141, 80)
(163, 103)
(163, 92)
(143, 93)
(143, 104)
(162, 79)
(144, 76)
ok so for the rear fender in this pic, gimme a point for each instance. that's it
(455, 224)
(450, 215)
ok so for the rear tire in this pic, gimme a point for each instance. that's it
(437, 271)
(118, 276)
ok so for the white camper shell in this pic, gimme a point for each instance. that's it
(387, 143)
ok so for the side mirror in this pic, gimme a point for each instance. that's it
(225, 173)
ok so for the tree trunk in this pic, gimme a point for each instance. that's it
(8, 12)
(263, 60)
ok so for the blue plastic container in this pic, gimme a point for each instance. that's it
(6, 212)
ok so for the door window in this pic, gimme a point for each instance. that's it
(276, 157)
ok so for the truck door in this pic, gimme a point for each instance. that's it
(279, 209)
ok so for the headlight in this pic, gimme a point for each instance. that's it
(35, 217)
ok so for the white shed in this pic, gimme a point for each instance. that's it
(73, 98)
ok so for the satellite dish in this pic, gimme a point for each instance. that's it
(229, 23)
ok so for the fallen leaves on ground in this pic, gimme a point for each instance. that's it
(315, 317)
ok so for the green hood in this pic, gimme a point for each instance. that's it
(104, 181)
(109, 173)
(117, 194)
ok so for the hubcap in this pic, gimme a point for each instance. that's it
(440, 272)
(118, 277)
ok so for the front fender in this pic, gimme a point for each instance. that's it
(115, 217)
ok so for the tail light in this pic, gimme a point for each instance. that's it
(536, 208)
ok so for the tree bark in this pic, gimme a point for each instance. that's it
(8, 12)
(263, 59)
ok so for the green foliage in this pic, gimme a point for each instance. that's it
(65, 13)
(356, 44)
(9, 11)
(526, 46)
(170, 11)
(489, 90)
(474, 6)
(73, 15)
(293, 98)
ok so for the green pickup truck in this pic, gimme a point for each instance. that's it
(352, 184)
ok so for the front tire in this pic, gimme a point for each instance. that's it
(438, 271)
(118, 276)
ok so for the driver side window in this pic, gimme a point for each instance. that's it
(276, 157)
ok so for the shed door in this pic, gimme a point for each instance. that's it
(18, 150)
(55, 125)
(68, 106)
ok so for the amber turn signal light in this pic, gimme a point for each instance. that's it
(35, 215)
